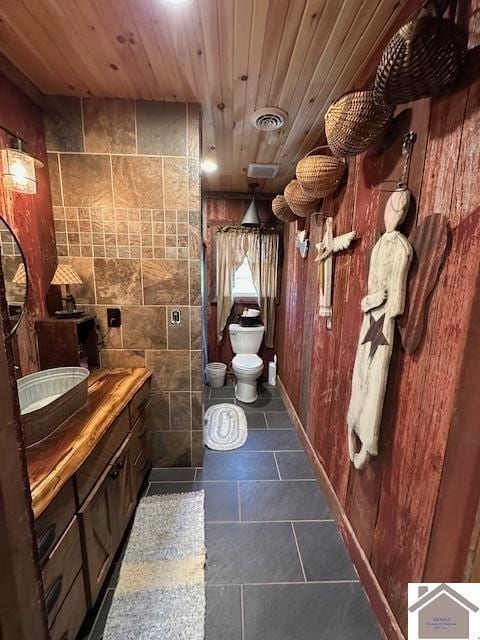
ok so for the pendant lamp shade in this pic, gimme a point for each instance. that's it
(251, 219)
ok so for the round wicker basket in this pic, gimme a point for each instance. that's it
(298, 201)
(320, 174)
(355, 122)
(282, 211)
(422, 60)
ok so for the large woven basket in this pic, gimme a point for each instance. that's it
(298, 201)
(355, 122)
(320, 174)
(282, 211)
(422, 59)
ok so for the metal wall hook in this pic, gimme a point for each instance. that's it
(409, 140)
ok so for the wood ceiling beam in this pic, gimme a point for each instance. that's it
(20, 80)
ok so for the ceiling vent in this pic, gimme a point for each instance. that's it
(268, 119)
(260, 170)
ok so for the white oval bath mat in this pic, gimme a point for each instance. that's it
(225, 427)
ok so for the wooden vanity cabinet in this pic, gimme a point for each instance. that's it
(81, 528)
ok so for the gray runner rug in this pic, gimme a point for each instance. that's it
(161, 588)
(225, 427)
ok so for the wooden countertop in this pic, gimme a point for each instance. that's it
(53, 462)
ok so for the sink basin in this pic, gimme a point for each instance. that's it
(48, 398)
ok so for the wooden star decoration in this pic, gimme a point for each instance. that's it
(375, 335)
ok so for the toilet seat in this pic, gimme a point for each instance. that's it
(247, 361)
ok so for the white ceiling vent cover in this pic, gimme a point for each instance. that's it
(268, 119)
(261, 170)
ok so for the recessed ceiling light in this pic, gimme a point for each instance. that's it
(209, 166)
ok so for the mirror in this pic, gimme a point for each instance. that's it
(16, 281)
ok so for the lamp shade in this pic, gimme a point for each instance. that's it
(66, 274)
(251, 219)
(20, 276)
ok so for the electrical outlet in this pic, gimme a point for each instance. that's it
(176, 317)
(114, 318)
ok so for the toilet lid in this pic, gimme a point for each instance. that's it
(247, 360)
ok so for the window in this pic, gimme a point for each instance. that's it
(243, 286)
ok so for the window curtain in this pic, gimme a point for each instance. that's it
(261, 250)
(230, 252)
(262, 254)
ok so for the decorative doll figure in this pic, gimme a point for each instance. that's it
(384, 302)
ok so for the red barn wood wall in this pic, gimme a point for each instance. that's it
(30, 217)
(414, 508)
(225, 212)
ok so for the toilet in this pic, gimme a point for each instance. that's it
(247, 365)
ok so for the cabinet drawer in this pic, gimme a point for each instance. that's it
(54, 520)
(60, 569)
(139, 403)
(95, 465)
(70, 617)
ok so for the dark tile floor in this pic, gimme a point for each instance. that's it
(277, 568)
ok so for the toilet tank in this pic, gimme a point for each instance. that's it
(245, 339)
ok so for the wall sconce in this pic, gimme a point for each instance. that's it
(18, 169)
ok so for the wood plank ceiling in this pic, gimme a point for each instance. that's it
(232, 56)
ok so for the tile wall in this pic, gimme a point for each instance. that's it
(126, 195)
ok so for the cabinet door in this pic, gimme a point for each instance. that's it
(98, 534)
(123, 497)
(104, 517)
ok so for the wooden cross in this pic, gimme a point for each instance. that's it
(326, 249)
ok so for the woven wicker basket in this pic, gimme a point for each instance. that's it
(319, 175)
(355, 122)
(282, 211)
(298, 201)
(421, 60)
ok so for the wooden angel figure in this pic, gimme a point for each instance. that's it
(329, 245)
(384, 302)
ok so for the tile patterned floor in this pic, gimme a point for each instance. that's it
(277, 568)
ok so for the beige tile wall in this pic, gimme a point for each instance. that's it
(126, 194)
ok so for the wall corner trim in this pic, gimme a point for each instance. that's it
(374, 592)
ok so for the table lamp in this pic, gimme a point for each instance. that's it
(66, 274)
